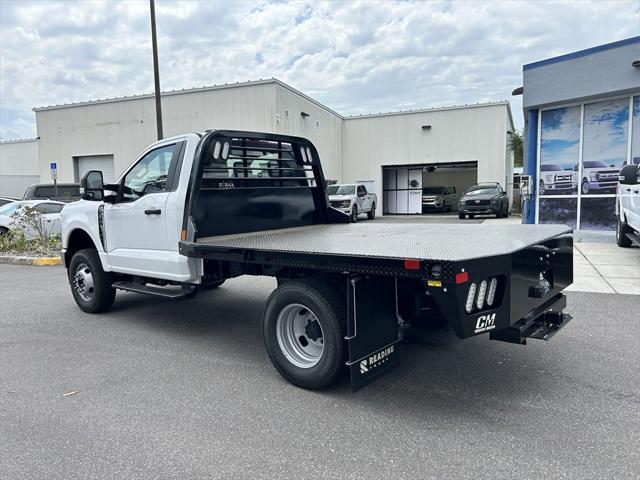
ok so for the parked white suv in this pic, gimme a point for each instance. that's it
(628, 206)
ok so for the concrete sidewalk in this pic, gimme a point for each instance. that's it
(605, 268)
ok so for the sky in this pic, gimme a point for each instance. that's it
(355, 57)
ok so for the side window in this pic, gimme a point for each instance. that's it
(149, 175)
(48, 208)
(362, 190)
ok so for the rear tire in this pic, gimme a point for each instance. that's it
(90, 284)
(3, 231)
(472, 215)
(304, 325)
(461, 216)
(372, 213)
(621, 234)
(354, 214)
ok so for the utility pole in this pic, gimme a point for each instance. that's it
(156, 72)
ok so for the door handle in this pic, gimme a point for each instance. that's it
(152, 211)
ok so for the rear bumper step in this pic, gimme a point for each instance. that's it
(541, 324)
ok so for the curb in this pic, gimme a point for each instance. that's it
(38, 261)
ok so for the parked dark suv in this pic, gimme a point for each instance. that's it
(484, 198)
(67, 192)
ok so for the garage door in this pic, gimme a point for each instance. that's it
(104, 163)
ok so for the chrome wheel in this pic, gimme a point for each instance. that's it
(299, 335)
(83, 282)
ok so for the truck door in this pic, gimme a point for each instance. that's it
(363, 201)
(135, 225)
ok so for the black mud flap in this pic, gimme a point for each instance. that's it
(372, 331)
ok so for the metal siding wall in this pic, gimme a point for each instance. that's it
(465, 134)
(327, 138)
(124, 128)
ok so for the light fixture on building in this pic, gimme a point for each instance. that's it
(518, 91)
(636, 63)
(426, 127)
(304, 114)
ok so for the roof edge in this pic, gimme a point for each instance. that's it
(583, 53)
(432, 109)
(19, 140)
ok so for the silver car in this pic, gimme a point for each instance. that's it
(438, 198)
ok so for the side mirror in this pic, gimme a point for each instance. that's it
(92, 186)
(630, 175)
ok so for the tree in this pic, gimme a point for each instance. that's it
(515, 146)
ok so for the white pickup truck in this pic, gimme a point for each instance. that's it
(628, 206)
(353, 200)
(197, 209)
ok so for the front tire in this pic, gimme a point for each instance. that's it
(461, 216)
(90, 284)
(585, 186)
(621, 234)
(304, 325)
(372, 213)
(354, 214)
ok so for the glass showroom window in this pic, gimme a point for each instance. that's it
(558, 169)
(635, 131)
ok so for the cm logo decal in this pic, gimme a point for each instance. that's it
(485, 322)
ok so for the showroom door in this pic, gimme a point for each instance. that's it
(415, 191)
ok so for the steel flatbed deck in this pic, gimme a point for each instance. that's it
(368, 247)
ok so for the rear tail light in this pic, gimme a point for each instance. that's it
(470, 297)
(491, 295)
(481, 292)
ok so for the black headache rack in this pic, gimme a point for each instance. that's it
(251, 181)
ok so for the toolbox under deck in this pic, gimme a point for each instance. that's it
(447, 242)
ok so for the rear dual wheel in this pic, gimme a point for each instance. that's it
(304, 325)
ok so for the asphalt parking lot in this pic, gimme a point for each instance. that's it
(171, 389)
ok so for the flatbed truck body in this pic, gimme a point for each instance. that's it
(256, 204)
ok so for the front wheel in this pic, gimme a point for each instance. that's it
(585, 186)
(304, 325)
(372, 213)
(621, 234)
(354, 214)
(90, 284)
(461, 216)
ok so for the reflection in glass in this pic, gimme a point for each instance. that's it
(558, 210)
(604, 149)
(559, 144)
(635, 132)
(598, 213)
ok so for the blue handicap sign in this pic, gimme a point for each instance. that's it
(53, 166)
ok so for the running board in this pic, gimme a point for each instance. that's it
(166, 292)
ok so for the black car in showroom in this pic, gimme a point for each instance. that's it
(483, 199)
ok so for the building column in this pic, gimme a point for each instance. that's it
(530, 168)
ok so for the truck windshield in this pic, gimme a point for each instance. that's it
(550, 168)
(341, 190)
(433, 190)
(594, 164)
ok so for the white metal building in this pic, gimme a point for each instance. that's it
(453, 145)
(18, 166)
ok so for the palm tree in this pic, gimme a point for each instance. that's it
(514, 145)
